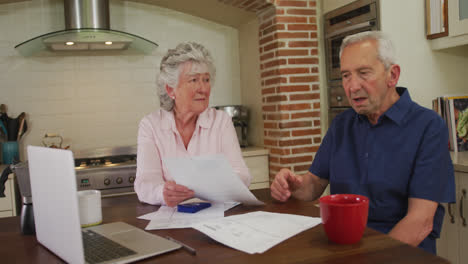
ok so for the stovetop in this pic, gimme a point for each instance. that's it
(110, 170)
(110, 161)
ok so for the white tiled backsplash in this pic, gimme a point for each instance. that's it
(97, 99)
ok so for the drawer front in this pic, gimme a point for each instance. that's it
(6, 202)
(6, 213)
(258, 167)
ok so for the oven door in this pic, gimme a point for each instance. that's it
(337, 95)
(338, 100)
(333, 44)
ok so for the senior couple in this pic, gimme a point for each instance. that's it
(386, 147)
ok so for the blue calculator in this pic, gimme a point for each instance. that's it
(192, 207)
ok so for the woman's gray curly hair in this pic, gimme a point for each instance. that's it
(170, 68)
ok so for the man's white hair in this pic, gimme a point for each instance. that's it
(385, 50)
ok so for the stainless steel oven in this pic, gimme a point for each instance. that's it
(358, 16)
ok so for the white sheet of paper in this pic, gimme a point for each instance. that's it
(168, 217)
(255, 232)
(155, 214)
(211, 178)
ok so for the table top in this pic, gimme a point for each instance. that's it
(310, 246)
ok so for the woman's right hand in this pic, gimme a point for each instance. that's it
(174, 193)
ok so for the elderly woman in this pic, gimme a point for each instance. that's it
(184, 127)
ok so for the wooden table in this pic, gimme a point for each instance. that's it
(310, 246)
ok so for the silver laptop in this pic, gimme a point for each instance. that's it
(57, 221)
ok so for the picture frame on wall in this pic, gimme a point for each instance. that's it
(436, 18)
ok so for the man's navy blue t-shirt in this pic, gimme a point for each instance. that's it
(405, 155)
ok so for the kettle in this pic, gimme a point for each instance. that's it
(27, 214)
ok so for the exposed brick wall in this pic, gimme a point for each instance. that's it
(288, 48)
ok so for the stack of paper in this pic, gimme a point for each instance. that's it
(255, 232)
(168, 217)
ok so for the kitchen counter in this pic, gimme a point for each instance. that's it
(310, 246)
(460, 161)
(254, 151)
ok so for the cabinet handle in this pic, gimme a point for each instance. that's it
(461, 207)
(339, 98)
(452, 216)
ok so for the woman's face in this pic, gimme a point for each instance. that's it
(192, 94)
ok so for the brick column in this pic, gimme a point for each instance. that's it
(290, 80)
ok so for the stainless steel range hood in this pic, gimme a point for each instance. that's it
(87, 28)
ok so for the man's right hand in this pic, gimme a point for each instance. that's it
(284, 184)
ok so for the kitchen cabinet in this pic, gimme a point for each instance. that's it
(457, 26)
(453, 240)
(8, 206)
(256, 160)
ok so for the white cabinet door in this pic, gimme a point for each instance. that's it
(443, 241)
(447, 244)
(458, 17)
(258, 167)
(462, 205)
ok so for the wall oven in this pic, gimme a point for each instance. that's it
(358, 16)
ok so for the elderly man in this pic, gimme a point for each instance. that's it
(386, 147)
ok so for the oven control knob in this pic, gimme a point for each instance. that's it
(106, 181)
(131, 179)
(119, 180)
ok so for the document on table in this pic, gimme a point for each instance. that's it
(168, 217)
(211, 178)
(255, 232)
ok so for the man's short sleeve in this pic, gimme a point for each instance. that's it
(433, 177)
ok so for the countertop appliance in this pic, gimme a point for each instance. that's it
(240, 119)
(110, 170)
(358, 16)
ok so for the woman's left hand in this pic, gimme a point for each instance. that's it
(174, 193)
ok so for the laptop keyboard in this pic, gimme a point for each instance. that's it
(98, 248)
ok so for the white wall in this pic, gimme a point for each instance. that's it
(251, 82)
(96, 100)
(425, 72)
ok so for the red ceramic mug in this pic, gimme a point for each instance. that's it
(344, 217)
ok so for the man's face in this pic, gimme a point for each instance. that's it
(365, 80)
